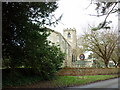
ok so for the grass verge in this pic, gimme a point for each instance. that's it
(65, 81)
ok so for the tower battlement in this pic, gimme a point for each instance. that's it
(70, 29)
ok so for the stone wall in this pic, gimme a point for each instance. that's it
(58, 39)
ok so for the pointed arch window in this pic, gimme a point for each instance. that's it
(69, 35)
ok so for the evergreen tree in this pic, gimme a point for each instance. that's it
(24, 35)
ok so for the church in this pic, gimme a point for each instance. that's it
(67, 43)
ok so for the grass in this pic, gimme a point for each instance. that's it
(65, 81)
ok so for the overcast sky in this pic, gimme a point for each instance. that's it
(76, 15)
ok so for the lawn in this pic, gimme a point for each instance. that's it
(65, 81)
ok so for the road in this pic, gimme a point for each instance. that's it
(112, 83)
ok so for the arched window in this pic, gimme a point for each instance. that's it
(73, 58)
(69, 35)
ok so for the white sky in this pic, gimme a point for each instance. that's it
(75, 15)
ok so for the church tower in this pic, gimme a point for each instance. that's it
(70, 36)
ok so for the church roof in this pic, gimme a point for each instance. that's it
(59, 34)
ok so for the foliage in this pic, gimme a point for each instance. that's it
(19, 78)
(19, 32)
(51, 61)
(24, 39)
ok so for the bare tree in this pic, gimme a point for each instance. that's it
(101, 43)
(105, 8)
(115, 57)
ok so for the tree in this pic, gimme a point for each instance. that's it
(105, 8)
(101, 43)
(115, 57)
(80, 48)
(24, 39)
(97, 60)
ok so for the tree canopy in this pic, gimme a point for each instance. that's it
(24, 35)
(102, 44)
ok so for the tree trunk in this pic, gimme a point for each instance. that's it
(118, 62)
(106, 63)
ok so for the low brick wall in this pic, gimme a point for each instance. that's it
(87, 71)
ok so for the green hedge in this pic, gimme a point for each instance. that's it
(20, 76)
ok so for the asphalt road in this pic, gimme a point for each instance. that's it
(112, 83)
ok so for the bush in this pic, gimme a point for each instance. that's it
(42, 68)
(21, 76)
(50, 62)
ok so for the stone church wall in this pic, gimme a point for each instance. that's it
(58, 39)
